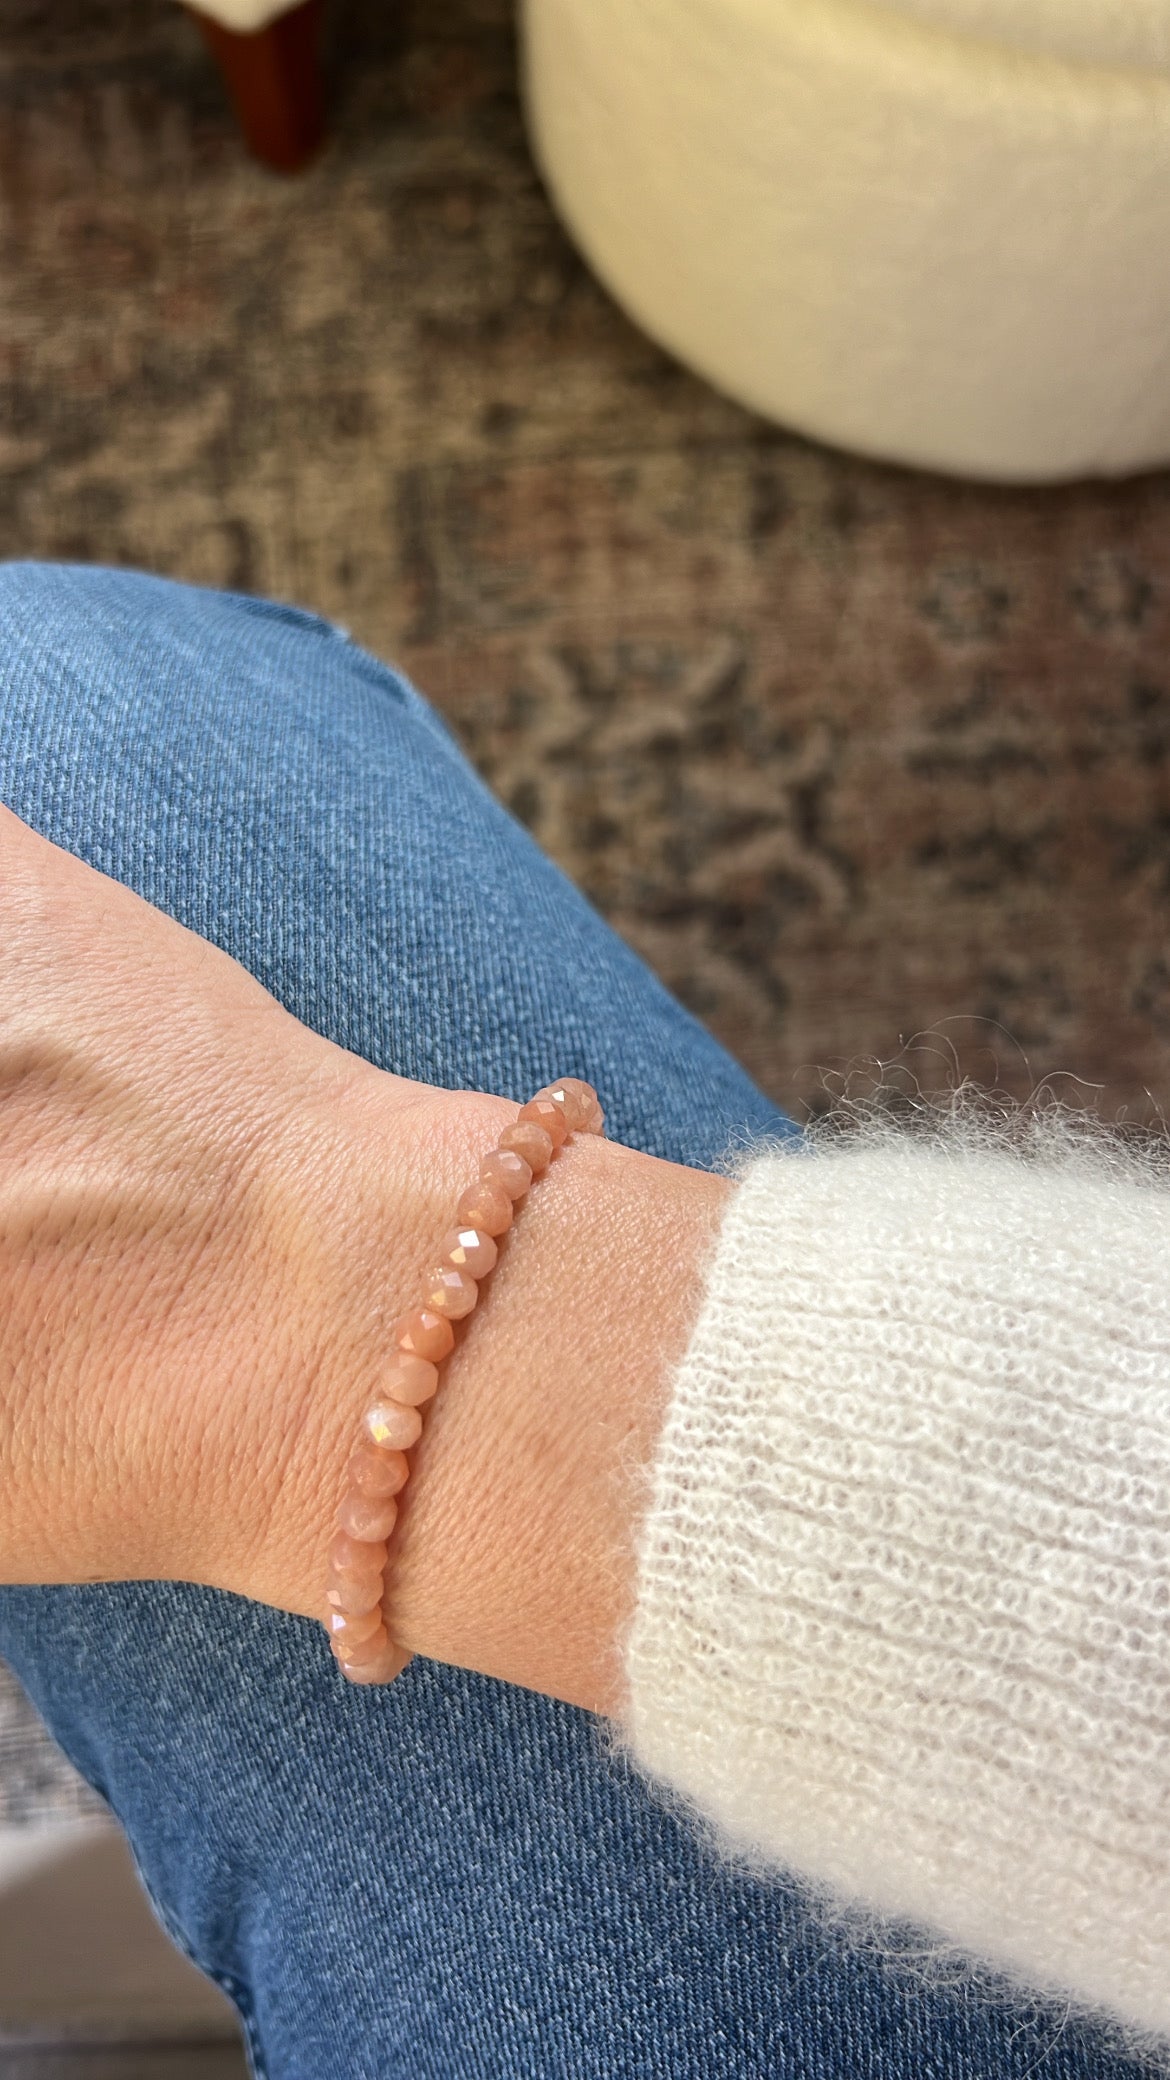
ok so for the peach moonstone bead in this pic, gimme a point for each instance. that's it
(486, 1207)
(424, 1334)
(451, 1292)
(373, 1472)
(578, 1102)
(503, 1167)
(388, 1664)
(349, 1649)
(350, 1628)
(368, 1518)
(409, 1379)
(349, 1555)
(355, 1594)
(531, 1142)
(470, 1250)
(392, 1427)
(543, 1113)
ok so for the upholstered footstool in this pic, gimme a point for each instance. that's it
(932, 230)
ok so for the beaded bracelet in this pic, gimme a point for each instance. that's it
(379, 1470)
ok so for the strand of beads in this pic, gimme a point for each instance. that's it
(379, 1468)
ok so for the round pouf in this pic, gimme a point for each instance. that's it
(935, 231)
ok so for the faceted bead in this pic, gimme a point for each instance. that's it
(425, 1334)
(373, 1472)
(502, 1167)
(409, 1379)
(545, 1114)
(588, 1108)
(392, 1427)
(471, 1250)
(389, 1663)
(576, 1100)
(353, 1556)
(356, 1651)
(368, 1517)
(354, 1593)
(450, 1292)
(486, 1207)
(348, 1629)
(530, 1142)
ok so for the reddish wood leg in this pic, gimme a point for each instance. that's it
(273, 76)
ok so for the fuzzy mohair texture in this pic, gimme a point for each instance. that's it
(903, 1617)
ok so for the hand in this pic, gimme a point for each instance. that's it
(209, 1216)
(172, 1222)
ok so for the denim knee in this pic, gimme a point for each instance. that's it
(96, 660)
(242, 764)
(252, 772)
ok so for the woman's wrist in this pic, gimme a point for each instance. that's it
(209, 1219)
(514, 1552)
(357, 1172)
(517, 1554)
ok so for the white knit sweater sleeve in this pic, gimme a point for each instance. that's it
(903, 1622)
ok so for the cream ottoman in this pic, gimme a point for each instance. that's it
(936, 231)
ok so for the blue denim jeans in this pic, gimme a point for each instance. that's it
(449, 1878)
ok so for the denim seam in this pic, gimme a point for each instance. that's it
(228, 1984)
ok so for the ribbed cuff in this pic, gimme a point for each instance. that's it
(903, 1609)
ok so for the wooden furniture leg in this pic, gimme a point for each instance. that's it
(273, 76)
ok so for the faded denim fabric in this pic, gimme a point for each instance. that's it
(448, 1879)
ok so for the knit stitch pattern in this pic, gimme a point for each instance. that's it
(903, 1623)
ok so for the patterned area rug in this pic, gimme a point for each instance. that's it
(851, 754)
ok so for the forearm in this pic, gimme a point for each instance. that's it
(899, 1611)
(209, 1219)
(518, 1548)
(514, 1551)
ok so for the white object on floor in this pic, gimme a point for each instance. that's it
(935, 231)
(81, 1953)
(245, 16)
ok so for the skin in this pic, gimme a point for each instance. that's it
(209, 1218)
